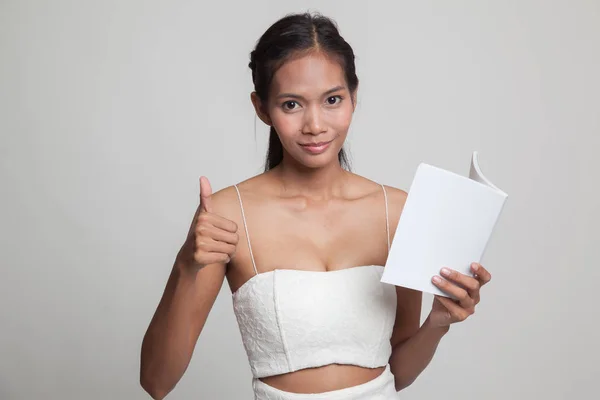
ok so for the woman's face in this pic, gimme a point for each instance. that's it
(311, 108)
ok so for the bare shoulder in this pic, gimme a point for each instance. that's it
(226, 201)
(396, 195)
(396, 200)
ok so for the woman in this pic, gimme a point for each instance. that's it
(303, 247)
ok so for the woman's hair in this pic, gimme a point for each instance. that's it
(291, 36)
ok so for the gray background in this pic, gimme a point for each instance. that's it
(110, 110)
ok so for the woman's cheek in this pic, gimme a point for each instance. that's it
(287, 125)
(341, 121)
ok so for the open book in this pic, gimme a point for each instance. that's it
(447, 221)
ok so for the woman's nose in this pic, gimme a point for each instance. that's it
(313, 121)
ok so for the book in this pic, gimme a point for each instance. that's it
(447, 221)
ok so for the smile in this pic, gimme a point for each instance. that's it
(316, 148)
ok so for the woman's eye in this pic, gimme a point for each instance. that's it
(290, 105)
(333, 100)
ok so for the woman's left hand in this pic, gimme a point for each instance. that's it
(464, 288)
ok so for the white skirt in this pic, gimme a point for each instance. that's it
(380, 388)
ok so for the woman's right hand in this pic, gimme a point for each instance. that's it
(212, 239)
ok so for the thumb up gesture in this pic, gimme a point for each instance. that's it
(212, 239)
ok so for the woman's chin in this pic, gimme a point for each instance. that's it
(317, 162)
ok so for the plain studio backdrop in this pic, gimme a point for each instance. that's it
(111, 110)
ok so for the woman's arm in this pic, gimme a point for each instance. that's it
(179, 318)
(410, 357)
(195, 281)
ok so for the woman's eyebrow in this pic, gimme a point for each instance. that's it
(297, 96)
(335, 89)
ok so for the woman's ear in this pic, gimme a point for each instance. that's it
(354, 98)
(258, 107)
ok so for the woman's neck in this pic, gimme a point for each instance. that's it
(314, 183)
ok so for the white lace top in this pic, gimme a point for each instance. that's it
(295, 319)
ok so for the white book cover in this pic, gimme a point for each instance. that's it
(447, 221)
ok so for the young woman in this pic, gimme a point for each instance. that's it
(303, 247)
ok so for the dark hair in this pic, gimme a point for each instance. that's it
(293, 34)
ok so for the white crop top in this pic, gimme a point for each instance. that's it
(295, 319)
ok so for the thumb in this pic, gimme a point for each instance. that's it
(205, 195)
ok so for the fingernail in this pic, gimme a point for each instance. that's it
(475, 267)
(445, 271)
(437, 279)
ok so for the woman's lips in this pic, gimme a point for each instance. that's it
(316, 148)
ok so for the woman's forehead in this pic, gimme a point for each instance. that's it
(313, 74)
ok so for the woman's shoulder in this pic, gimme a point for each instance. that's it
(226, 201)
(396, 200)
(396, 197)
(374, 187)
